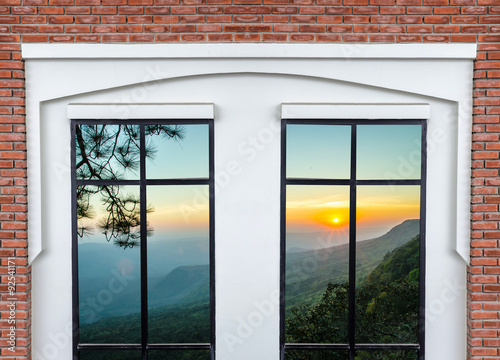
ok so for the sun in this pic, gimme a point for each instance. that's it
(335, 220)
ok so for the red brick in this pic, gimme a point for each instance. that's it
(104, 29)
(156, 28)
(356, 19)
(167, 37)
(473, 10)
(219, 18)
(35, 38)
(329, 19)
(131, 10)
(23, 10)
(302, 19)
(61, 38)
(87, 38)
(383, 19)
(209, 28)
(78, 28)
(474, 29)
(392, 10)
(182, 28)
(246, 37)
(311, 10)
(210, 10)
(193, 37)
(328, 37)
(51, 11)
(355, 2)
(141, 38)
(9, 20)
(489, 38)
(166, 19)
(114, 38)
(247, 10)
(104, 10)
(139, 19)
(354, 38)
(419, 10)
(409, 19)
(302, 37)
(275, 18)
(114, 20)
(365, 10)
(60, 19)
(77, 10)
(392, 29)
(489, 20)
(247, 18)
(312, 28)
(382, 38)
(446, 28)
(51, 28)
(339, 28)
(484, 279)
(276, 37)
(446, 11)
(183, 10)
(463, 19)
(226, 37)
(338, 10)
(286, 28)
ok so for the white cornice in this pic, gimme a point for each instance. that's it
(312, 51)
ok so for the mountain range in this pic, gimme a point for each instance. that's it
(308, 272)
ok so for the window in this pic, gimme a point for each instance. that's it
(143, 269)
(353, 247)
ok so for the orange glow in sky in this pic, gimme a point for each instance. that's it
(326, 208)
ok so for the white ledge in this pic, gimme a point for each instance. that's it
(141, 111)
(333, 51)
(355, 111)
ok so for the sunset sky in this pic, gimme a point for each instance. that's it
(179, 211)
(383, 151)
(323, 151)
(186, 158)
(313, 151)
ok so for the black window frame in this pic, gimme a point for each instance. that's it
(352, 182)
(142, 182)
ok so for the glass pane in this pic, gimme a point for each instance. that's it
(107, 152)
(389, 151)
(317, 264)
(387, 264)
(387, 355)
(179, 355)
(318, 151)
(109, 264)
(316, 355)
(175, 151)
(110, 355)
(178, 264)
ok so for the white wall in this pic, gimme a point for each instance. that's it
(247, 111)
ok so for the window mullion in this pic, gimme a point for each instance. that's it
(352, 247)
(144, 250)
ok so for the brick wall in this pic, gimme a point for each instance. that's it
(389, 21)
(483, 274)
